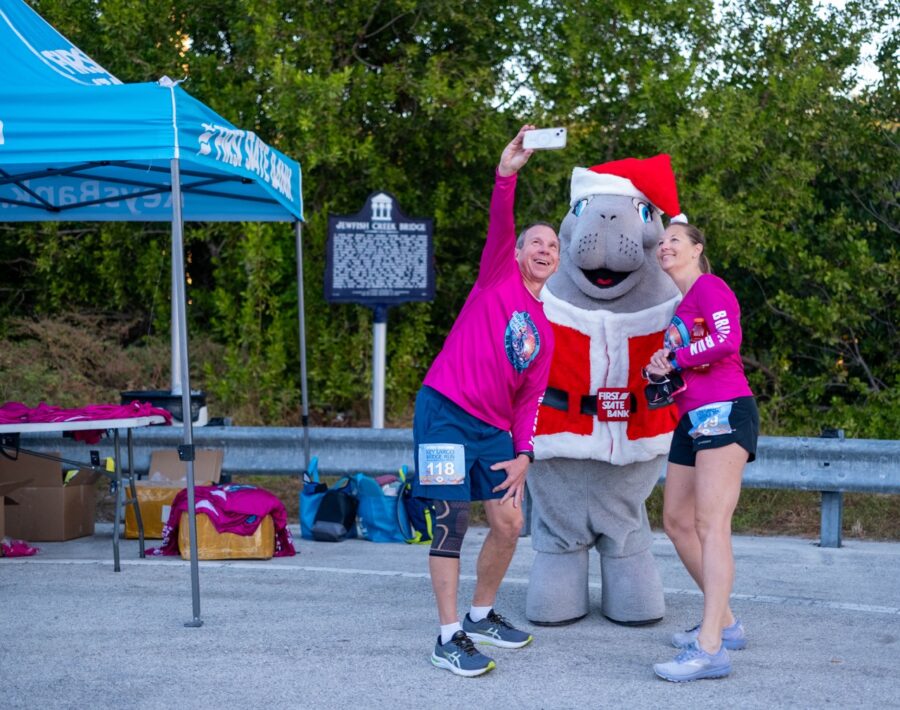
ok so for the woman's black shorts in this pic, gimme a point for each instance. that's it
(714, 425)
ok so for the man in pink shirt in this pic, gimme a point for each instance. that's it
(475, 419)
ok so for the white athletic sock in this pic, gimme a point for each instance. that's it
(477, 613)
(447, 631)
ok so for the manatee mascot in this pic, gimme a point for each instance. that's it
(599, 449)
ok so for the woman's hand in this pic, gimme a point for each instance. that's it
(659, 363)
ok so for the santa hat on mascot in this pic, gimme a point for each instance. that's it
(650, 180)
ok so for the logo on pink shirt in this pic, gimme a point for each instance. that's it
(523, 342)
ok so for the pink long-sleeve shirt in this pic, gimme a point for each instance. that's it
(496, 359)
(710, 299)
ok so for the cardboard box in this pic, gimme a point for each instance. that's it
(48, 509)
(168, 475)
(5, 488)
(213, 545)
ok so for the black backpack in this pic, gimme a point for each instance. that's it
(336, 517)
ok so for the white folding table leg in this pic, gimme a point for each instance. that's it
(119, 497)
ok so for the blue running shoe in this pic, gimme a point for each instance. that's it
(733, 637)
(460, 656)
(494, 630)
(693, 663)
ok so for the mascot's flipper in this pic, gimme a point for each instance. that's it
(632, 590)
(558, 588)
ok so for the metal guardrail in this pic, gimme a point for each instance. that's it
(272, 451)
(831, 466)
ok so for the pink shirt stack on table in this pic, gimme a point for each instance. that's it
(18, 413)
(496, 359)
(711, 299)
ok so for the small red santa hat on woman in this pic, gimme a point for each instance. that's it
(648, 179)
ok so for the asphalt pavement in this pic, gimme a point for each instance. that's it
(352, 625)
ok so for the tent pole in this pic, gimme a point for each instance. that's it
(175, 349)
(185, 452)
(301, 314)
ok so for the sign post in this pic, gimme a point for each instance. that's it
(379, 257)
(379, 360)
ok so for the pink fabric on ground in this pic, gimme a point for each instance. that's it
(233, 508)
(10, 547)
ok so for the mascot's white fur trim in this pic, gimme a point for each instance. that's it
(609, 367)
(586, 183)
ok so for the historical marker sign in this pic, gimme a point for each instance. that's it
(379, 256)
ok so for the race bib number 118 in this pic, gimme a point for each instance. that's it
(442, 464)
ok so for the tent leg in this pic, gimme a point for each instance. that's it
(185, 452)
(175, 330)
(301, 313)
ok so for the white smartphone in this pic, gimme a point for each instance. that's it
(544, 139)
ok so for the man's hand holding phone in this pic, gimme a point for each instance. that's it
(528, 140)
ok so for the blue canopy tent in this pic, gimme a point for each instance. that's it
(76, 144)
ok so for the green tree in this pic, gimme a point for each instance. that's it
(792, 168)
(782, 155)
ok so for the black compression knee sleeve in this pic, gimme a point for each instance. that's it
(450, 525)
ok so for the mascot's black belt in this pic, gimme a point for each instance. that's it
(606, 404)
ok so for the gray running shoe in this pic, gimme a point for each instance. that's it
(460, 656)
(494, 630)
(733, 637)
(693, 663)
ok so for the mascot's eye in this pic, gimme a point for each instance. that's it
(579, 207)
(644, 212)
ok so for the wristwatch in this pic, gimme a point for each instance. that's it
(529, 454)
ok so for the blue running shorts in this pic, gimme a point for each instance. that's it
(439, 421)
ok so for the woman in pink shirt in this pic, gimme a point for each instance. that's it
(716, 436)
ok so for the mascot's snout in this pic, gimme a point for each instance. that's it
(609, 240)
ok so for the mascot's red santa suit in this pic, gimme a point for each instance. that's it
(599, 449)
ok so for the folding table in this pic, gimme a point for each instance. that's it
(9, 439)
